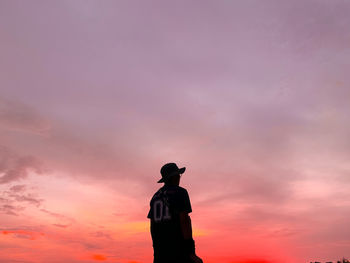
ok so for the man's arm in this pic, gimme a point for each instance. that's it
(186, 228)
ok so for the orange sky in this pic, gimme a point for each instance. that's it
(93, 223)
(252, 97)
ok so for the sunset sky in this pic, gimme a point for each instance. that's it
(251, 96)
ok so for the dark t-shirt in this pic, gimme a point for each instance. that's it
(165, 207)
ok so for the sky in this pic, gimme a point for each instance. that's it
(251, 96)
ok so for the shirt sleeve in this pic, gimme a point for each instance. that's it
(184, 202)
(150, 211)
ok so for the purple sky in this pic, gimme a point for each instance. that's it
(251, 96)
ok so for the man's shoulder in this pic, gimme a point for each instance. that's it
(181, 189)
(170, 190)
(158, 192)
(175, 188)
(177, 192)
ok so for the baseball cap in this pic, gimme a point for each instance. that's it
(170, 169)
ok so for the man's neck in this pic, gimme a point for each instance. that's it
(171, 184)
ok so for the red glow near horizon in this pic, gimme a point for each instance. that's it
(252, 261)
(252, 97)
(23, 233)
(99, 257)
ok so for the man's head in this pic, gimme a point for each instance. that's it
(171, 173)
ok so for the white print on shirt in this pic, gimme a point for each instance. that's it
(159, 213)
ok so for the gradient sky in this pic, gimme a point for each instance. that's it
(251, 96)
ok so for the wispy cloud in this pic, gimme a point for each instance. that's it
(20, 233)
(10, 209)
(16, 116)
(60, 225)
(28, 198)
(252, 97)
(16, 198)
(64, 220)
(18, 188)
(14, 167)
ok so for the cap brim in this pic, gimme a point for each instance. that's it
(161, 180)
(180, 171)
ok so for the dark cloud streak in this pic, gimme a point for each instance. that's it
(14, 167)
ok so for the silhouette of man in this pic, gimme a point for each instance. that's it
(171, 228)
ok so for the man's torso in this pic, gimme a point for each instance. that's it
(165, 207)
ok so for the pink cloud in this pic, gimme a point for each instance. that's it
(16, 116)
(14, 167)
(252, 97)
(19, 233)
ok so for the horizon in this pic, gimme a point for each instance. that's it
(252, 97)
